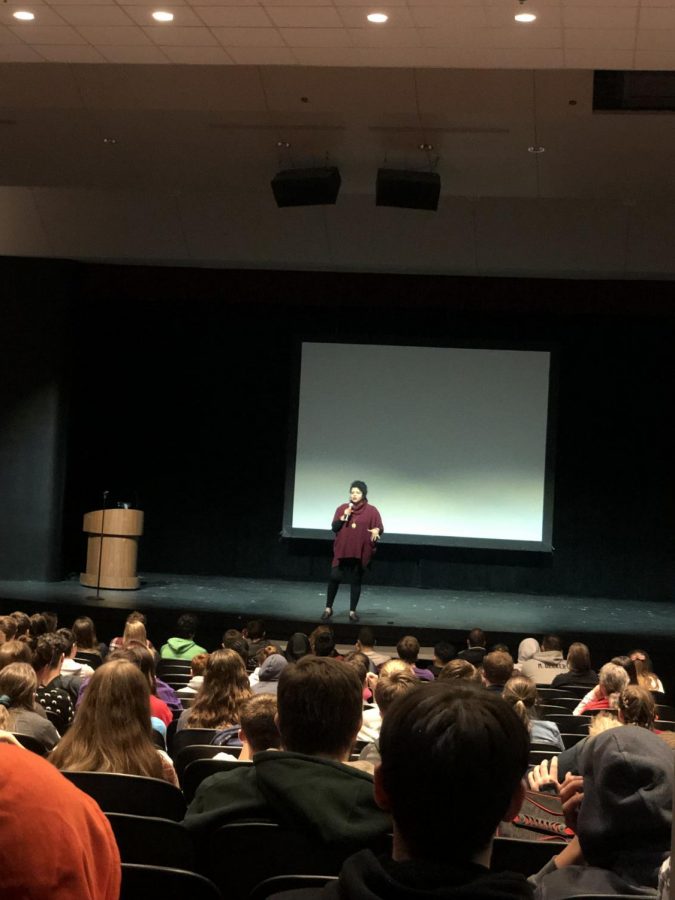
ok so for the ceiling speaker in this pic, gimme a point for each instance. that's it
(306, 187)
(407, 189)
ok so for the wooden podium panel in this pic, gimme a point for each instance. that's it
(116, 532)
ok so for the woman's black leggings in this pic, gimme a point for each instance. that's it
(352, 570)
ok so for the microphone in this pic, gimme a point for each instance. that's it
(351, 507)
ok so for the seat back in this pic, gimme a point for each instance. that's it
(169, 884)
(242, 854)
(527, 857)
(199, 769)
(199, 751)
(188, 736)
(89, 659)
(570, 724)
(569, 740)
(279, 883)
(173, 665)
(152, 841)
(132, 794)
(31, 743)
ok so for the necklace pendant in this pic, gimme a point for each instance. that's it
(353, 524)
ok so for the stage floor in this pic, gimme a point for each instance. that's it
(382, 607)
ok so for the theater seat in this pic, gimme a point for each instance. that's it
(151, 882)
(132, 794)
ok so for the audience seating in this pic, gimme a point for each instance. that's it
(536, 756)
(152, 841)
(153, 882)
(663, 711)
(549, 709)
(188, 736)
(199, 769)
(199, 751)
(664, 725)
(173, 665)
(569, 703)
(132, 794)
(576, 690)
(264, 849)
(30, 743)
(570, 724)
(176, 681)
(89, 659)
(524, 856)
(288, 883)
(569, 740)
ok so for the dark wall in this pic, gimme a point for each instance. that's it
(33, 324)
(180, 387)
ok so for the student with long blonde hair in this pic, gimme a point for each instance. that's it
(224, 688)
(111, 731)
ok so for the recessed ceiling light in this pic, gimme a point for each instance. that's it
(109, 140)
(377, 18)
(161, 16)
(525, 17)
(24, 16)
(536, 149)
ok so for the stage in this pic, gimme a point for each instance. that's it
(392, 611)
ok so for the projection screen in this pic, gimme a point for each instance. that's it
(455, 444)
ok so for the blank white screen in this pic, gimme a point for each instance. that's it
(451, 442)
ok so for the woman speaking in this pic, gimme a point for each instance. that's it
(358, 527)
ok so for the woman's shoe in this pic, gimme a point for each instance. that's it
(353, 616)
(327, 613)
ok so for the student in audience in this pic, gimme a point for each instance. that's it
(135, 633)
(15, 651)
(645, 672)
(117, 643)
(629, 665)
(255, 636)
(224, 688)
(365, 643)
(543, 666)
(7, 629)
(470, 752)
(84, 634)
(163, 699)
(38, 626)
(526, 650)
(234, 640)
(47, 661)
(270, 672)
(18, 683)
(372, 716)
(297, 646)
(408, 649)
(521, 693)
(191, 689)
(579, 666)
(623, 824)
(306, 785)
(444, 652)
(183, 646)
(460, 669)
(497, 669)
(324, 643)
(392, 683)
(476, 647)
(70, 666)
(22, 624)
(111, 731)
(257, 728)
(52, 620)
(54, 840)
(613, 679)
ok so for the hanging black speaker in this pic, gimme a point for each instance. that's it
(407, 189)
(306, 187)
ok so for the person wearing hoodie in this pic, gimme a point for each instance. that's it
(183, 645)
(307, 785)
(543, 667)
(474, 751)
(269, 674)
(623, 823)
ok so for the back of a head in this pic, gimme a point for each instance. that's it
(366, 637)
(186, 626)
(198, 663)
(136, 616)
(477, 638)
(392, 685)
(255, 630)
(625, 820)
(498, 667)
(472, 751)
(224, 688)
(135, 631)
(521, 693)
(48, 651)
(459, 669)
(629, 665)
(613, 678)
(297, 646)
(68, 639)
(38, 625)
(408, 649)
(19, 682)
(320, 706)
(444, 652)
(579, 658)
(238, 644)
(257, 721)
(14, 651)
(22, 622)
(637, 706)
(359, 662)
(324, 643)
(84, 633)
(7, 627)
(551, 642)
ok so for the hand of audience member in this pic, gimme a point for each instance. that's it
(374, 534)
(371, 681)
(570, 856)
(544, 774)
(571, 795)
(8, 738)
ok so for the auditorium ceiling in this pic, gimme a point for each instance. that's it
(117, 145)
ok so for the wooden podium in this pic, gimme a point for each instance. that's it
(123, 527)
